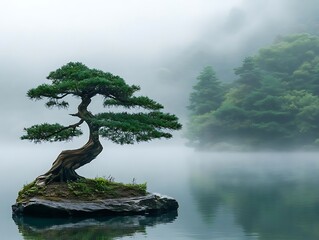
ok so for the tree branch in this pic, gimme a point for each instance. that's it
(70, 126)
(58, 97)
(64, 95)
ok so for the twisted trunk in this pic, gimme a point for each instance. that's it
(63, 168)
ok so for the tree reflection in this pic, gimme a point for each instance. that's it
(270, 199)
(88, 229)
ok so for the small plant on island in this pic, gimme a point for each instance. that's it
(77, 80)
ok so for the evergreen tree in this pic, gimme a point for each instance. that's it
(273, 103)
(77, 80)
(249, 74)
(208, 93)
(206, 97)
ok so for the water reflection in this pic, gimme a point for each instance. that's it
(88, 229)
(269, 196)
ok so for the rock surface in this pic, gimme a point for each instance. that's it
(151, 204)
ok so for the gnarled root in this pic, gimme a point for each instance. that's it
(63, 168)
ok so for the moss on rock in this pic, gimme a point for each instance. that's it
(83, 189)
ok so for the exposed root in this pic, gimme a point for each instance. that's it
(63, 168)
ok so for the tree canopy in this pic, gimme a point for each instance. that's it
(272, 103)
(76, 79)
(147, 122)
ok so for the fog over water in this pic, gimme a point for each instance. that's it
(161, 45)
(221, 195)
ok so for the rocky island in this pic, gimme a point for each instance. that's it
(90, 197)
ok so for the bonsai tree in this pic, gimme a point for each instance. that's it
(77, 80)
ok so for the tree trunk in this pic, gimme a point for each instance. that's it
(63, 168)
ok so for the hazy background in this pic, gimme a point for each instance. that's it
(161, 45)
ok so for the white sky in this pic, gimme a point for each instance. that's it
(46, 31)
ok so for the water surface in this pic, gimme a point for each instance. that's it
(242, 196)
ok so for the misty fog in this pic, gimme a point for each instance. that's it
(160, 45)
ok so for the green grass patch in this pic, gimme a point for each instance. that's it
(30, 190)
(82, 190)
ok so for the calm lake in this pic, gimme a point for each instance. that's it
(222, 196)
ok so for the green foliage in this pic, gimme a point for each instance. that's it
(249, 73)
(274, 102)
(30, 190)
(206, 97)
(142, 101)
(104, 188)
(77, 80)
(208, 93)
(50, 133)
(287, 54)
(126, 128)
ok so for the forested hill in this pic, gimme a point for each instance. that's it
(272, 103)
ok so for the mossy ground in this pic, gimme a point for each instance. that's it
(82, 190)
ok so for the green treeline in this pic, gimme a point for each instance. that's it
(272, 103)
